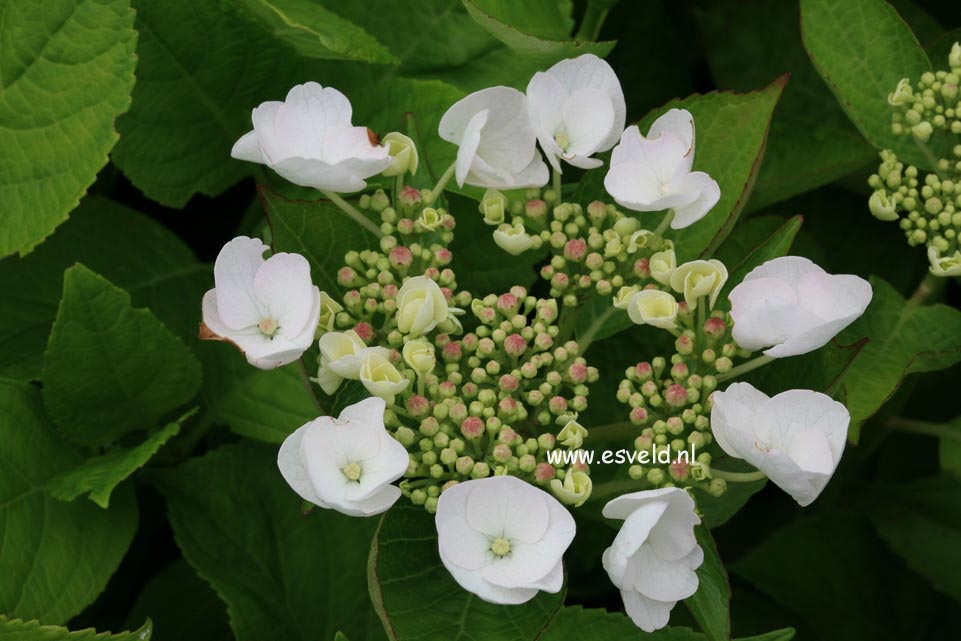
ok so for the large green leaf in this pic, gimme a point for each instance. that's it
(130, 249)
(903, 338)
(99, 475)
(862, 48)
(711, 604)
(314, 31)
(731, 133)
(417, 598)
(56, 557)
(109, 368)
(921, 522)
(66, 71)
(811, 142)
(536, 28)
(283, 575)
(19, 630)
(181, 605)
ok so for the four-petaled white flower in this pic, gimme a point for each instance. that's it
(794, 305)
(796, 437)
(268, 308)
(654, 555)
(309, 140)
(497, 147)
(502, 538)
(577, 109)
(654, 173)
(345, 464)
(341, 356)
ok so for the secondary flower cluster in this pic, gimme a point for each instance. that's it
(468, 395)
(928, 204)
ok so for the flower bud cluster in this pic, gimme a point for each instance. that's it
(670, 405)
(928, 205)
(597, 249)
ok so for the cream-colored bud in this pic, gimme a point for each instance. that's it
(944, 266)
(699, 278)
(403, 154)
(882, 207)
(653, 307)
(574, 490)
(419, 354)
(493, 205)
(514, 240)
(662, 266)
(572, 436)
(420, 306)
(624, 296)
(381, 378)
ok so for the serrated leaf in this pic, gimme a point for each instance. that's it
(535, 29)
(99, 475)
(109, 368)
(66, 71)
(417, 598)
(56, 557)
(273, 566)
(316, 32)
(731, 134)
(711, 604)
(903, 338)
(862, 49)
(19, 630)
(128, 248)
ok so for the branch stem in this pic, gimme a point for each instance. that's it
(353, 213)
(744, 368)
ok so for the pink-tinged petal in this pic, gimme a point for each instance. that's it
(505, 506)
(283, 288)
(248, 148)
(589, 118)
(660, 579)
(234, 272)
(708, 194)
(647, 614)
(590, 72)
(292, 467)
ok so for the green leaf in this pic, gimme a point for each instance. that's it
(536, 29)
(811, 142)
(773, 246)
(181, 605)
(314, 31)
(731, 133)
(921, 522)
(101, 474)
(318, 230)
(711, 604)
(263, 405)
(862, 49)
(283, 575)
(599, 319)
(109, 368)
(903, 338)
(134, 251)
(417, 598)
(56, 557)
(66, 71)
(18, 630)
(949, 448)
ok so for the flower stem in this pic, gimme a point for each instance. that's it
(738, 477)
(593, 20)
(665, 223)
(928, 286)
(444, 179)
(945, 430)
(305, 377)
(556, 184)
(351, 211)
(743, 368)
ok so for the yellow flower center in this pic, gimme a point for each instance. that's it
(352, 471)
(501, 546)
(562, 140)
(268, 327)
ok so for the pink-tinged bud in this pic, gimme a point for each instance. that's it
(649, 388)
(535, 209)
(409, 197)
(506, 435)
(469, 390)
(458, 412)
(557, 405)
(352, 298)
(364, 331)
(674, 425)
(547, 271)
(543, 472)
(446, 278)
(418, 406)
(515, 345)
(448, 223)
(642, 267)
(528, 370)
(487, 315)
(447, 389)
(592, 374)
(543, 341)
(370, 305)
(715, 327)
(507, 304)
(643, 442)
(443, 256)
(575, 250)
(547, 310)
(469, 341)
(676, 395)
(389, 292)
(638, 416)
(644, 371)
(441, 339)
(683, 309)
(580, 466)
(508, 383)
(584, 281)
(405, 226)
(507, 406)
(679, 470)
(560, 280)
(400, 257)
(594, 261)
(684, 344)
(502, 452)
(679, 371)
(451, 352)
(472, 428)
(347, 277)
(485, 347)
(519, 292)
(577, 373)
(597, 211)
(464, 465)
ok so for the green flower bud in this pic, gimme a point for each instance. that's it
(493, 206)
(882, 207)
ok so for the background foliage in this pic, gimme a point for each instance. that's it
(137, 475)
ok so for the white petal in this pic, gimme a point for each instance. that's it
(282, 286)
(638, 525)
(377, 503)
(590, 72)
(553, 581)
(804, 487)
(389, 465)
(310, 172)
(589, 118)
(677, 122)
(624, 505)
(708, 194)
(248, 148)
(673, 536)
(328, 380)
(615, 564)
(369, 411)
(796, 412)
(790, 269)
(508, 141)
(659, 579)
(505, 506)
(293, 469)
(733, 416)
(647, 614)
(467, 151)
(264, 117)
(234, 272)
(459, 543)
(472, 581)
(545, 99)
